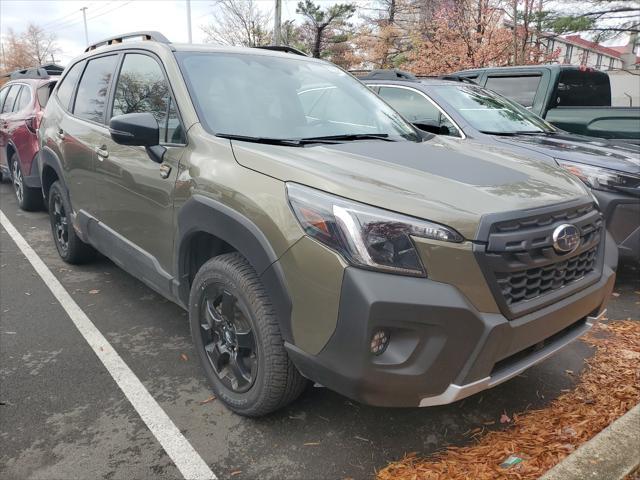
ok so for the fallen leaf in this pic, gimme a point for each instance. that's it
(235, 472)
(504, 418)
(615, 294)
(208, 400)
(93, 292)
(27, 293)
(569, 372)
(309, 444)
(183, 357)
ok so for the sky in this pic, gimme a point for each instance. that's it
(107, 18)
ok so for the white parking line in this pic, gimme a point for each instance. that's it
(189, 463)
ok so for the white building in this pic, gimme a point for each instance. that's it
(576, 50)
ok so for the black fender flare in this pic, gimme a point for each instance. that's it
(48, 158)
(202, 214)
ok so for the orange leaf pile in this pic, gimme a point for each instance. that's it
(608, 387)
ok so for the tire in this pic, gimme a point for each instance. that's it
(29, 199)
(252, 323)
(70, 248)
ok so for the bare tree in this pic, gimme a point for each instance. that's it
(30, 48)
(239, 22)
(319, 22)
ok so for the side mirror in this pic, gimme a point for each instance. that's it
(138, 129)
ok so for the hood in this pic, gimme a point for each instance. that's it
(453, 183)
(598, 152)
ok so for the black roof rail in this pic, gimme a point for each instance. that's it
(283, 48)
(145, 35)
(456, 78)
(36, 73)
(388, 74)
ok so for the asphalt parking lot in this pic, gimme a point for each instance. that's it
(62, 415)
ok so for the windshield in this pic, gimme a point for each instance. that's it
(265, 96)
(490, 112)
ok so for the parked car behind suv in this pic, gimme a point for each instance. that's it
(310, 231)
(466, 112)
(574, 98)
(22, 101)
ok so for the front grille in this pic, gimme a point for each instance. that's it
(528, 284)
(525, 271)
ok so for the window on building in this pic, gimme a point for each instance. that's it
(599, 61)
(568, 53)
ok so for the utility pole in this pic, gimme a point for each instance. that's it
(86, 33)
(189, 20)
(277, 24)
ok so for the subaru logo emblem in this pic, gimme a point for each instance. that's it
(566, 238)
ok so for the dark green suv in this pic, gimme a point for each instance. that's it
(310, 231)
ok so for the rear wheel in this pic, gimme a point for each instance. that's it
(237, 337)
(70, 247)
(29, 199)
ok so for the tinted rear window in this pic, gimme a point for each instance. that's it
(583, 89)
(93, 89)
(65, 89)
(521, 89)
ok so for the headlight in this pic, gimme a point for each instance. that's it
(365, 236)
(602, 178)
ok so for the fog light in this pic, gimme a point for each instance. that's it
(379, 342)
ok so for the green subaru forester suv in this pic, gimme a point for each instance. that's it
(310, 231)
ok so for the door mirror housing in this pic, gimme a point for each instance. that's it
(135, 129)
(138, 130)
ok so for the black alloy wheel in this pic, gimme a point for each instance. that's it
(228, 339)
(60, 223)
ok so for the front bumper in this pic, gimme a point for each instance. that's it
(441, 347)
(622, 216)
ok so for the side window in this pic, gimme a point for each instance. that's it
(65, 89)
(521, 89)
(11, 98)
(578, 88)
(418, 110)
(3, 95)
(24, 99)
(94, 88)
(142, 87)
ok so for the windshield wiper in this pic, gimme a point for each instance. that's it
(288, 142)
(349, 137)
(515, 133)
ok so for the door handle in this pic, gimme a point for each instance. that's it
(102, 152)
(60, 134)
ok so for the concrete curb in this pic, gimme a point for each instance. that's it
(610, 455)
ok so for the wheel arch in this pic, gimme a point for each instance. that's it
(203, 219)
(50, 171)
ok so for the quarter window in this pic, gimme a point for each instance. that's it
(142, 88)
(418, 110)
(11, 98)
(521, 89)
(65, 89)
(94, 89)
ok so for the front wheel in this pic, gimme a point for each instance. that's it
(236, 334)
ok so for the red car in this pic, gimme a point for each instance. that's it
(22, 101)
